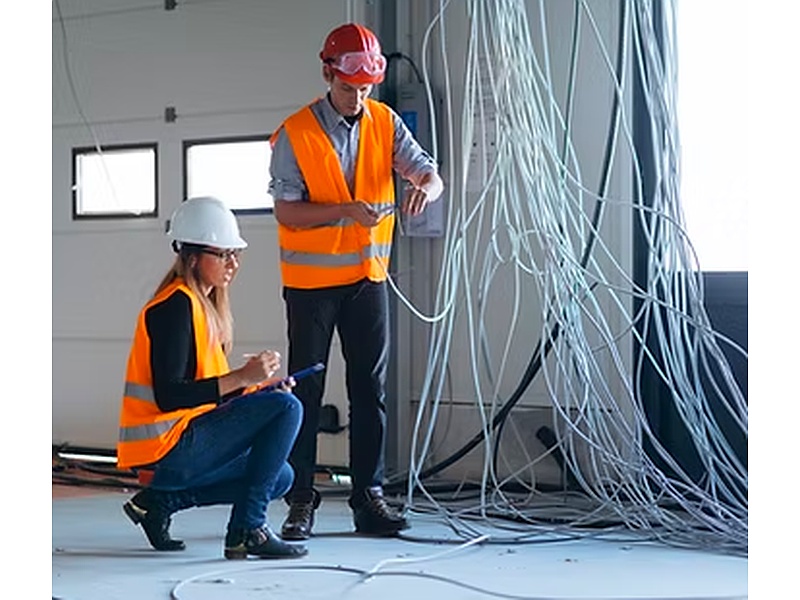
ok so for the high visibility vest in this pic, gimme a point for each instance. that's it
(342, 251)
(146, 433)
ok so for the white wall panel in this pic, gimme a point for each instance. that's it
(203, 57)
(88, 375)
(229, 68)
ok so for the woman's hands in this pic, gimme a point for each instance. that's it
(260, 367)
(263, 365)
(282, 384)
(255, 374)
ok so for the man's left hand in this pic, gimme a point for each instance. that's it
(414, 201)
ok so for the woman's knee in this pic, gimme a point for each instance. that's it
(283, 482)
(285, 409)
(278, 401)
(293, 403)
(290, 404)
(295, 412)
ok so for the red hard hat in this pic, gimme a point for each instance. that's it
(354, 53)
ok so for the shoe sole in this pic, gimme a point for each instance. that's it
(235, 553)
(238, 554)
(382, 532)
(294, 537)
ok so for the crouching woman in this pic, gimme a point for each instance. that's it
(209, 434)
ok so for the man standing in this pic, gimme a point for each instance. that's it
(332, 181)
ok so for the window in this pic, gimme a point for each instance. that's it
(115, 182)
(235, 170)
(712, 114)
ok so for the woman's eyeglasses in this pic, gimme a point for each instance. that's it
(224, 255)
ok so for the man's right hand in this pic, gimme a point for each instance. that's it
(363, 213)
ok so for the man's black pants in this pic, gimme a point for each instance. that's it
(359, 313)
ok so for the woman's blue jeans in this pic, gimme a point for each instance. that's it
(236, 453)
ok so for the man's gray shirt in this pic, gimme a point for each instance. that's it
(410, 160)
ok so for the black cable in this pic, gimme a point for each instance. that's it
(530, 372)
(399, 55)
(80, 481)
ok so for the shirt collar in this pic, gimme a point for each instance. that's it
(331, 117)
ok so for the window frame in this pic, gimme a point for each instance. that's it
(231, 139)
(84, 150)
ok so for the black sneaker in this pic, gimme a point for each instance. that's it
(300, 520)
(261, 542)
(143, 509)
(373, 516)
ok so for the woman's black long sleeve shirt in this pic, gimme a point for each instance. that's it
(173, 356)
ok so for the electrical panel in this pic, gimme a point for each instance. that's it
(413, 107)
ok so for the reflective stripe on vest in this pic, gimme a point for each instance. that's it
(140, 392)
(337, 260)
(146, 433)
(342, 251)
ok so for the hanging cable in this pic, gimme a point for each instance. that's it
(521, 219)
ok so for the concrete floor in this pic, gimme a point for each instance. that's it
(99, 555)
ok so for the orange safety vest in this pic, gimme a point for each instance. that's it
(146, 433)
(343, 251)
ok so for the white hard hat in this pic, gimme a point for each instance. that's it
(206, 221)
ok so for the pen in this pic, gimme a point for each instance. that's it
(251, 355)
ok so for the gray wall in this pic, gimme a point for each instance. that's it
(238, 68)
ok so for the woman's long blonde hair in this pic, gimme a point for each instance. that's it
(216, 305)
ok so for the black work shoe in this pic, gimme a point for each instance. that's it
(261, 542)
(155, 523)
(300, 520)
(373, 516)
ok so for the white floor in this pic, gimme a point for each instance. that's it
(99, 555)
